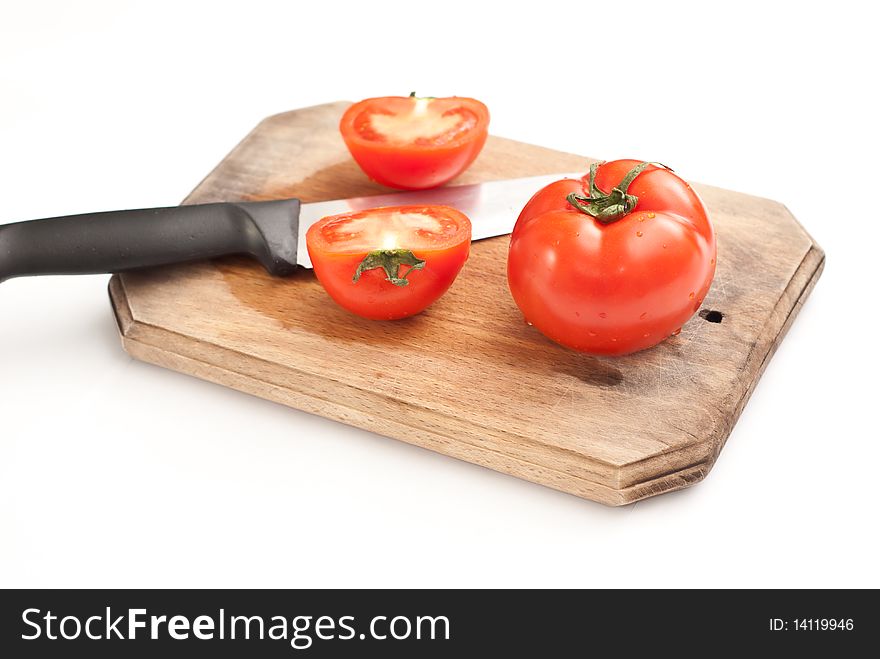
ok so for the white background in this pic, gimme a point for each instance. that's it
(117, 473)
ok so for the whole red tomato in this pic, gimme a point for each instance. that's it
(389, 263)
(615, 262)
(415, 143)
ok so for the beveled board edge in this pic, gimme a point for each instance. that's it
(418, 436)
(147, 343)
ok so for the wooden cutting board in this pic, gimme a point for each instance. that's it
(468, 377)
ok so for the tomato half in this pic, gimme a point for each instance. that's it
(389, 263)
(607, 271)
(415, 143)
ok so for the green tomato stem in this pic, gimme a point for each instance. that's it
(612, 206)
(390, 261)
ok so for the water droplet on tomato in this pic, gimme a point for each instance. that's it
(677, 332)
(664, 245)
(591, 333)
(602, 314)
(643, 316)
(529, 323)
(639, 234)
(646, 335)
(613, 339)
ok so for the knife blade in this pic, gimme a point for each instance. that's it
(492, 207)
(273, 232)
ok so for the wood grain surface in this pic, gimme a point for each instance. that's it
(468, 378)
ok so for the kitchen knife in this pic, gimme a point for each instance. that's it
(273, 232)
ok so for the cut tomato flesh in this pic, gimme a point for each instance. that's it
(415, 143)
(396, 228)
(422, 121)
(389, 262)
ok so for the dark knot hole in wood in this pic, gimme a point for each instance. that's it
(711, 315)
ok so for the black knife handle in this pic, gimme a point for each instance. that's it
(116, 241)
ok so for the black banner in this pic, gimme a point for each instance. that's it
(408, 623)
